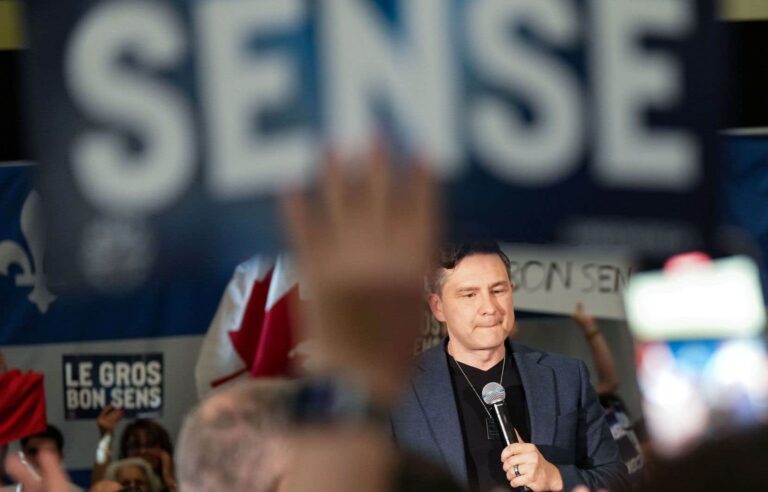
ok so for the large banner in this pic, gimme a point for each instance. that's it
(164, 128)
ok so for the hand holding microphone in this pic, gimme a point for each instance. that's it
(523, 463)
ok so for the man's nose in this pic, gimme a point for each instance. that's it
(489, 304)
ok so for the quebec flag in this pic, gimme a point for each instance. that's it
(23, 290)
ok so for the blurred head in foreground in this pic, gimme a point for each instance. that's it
(50, 439)
(235, 440)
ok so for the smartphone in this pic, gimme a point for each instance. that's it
(701, 358)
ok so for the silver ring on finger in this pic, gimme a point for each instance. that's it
(516, 468)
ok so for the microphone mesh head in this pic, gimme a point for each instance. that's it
(493, 393)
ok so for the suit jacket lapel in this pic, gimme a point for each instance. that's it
(432, 384)
(539, 385)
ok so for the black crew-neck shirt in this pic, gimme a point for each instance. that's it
(484, 467)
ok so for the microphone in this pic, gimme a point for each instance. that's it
(494, 395)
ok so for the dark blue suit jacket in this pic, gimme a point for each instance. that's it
(566, 418)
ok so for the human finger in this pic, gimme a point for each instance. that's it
(519, 459)
(520, 470)
(524, 476)
(378, 181)
(334, 189)
(296, 220)
(517, 448)
(519, 437)
(54, 476)
(418, 207)
(22, 473)
(115, 414)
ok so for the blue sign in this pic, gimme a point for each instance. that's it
(131, 382)
(165, 128)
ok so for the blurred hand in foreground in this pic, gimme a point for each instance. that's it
(52, 477)
(363, 243)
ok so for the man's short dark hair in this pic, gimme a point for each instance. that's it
(51, 433)
(449, 256)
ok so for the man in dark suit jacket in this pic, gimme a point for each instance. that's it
(564, 439)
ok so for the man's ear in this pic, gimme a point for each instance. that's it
(436, 306)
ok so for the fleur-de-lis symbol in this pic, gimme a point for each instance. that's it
(12, 253)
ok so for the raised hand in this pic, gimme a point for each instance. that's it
(52, 477)
(583, 319)
(363, 244)
(108, 419)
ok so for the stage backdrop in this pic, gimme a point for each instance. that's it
(164, 128)
(620, 165)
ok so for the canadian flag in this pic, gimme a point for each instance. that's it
(252, 333)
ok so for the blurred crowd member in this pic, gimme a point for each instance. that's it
(49, 477)
(106, 486)
(733, 462)
(625, 432)
(49, 442)
(141, 438)
(607, 376)
(235, 440)
(148, 440)
(135, 473)
(362, 244)
(239, 439)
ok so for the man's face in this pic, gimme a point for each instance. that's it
(475, 303)
(35, 445)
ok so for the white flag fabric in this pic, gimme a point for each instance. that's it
(251, 333)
